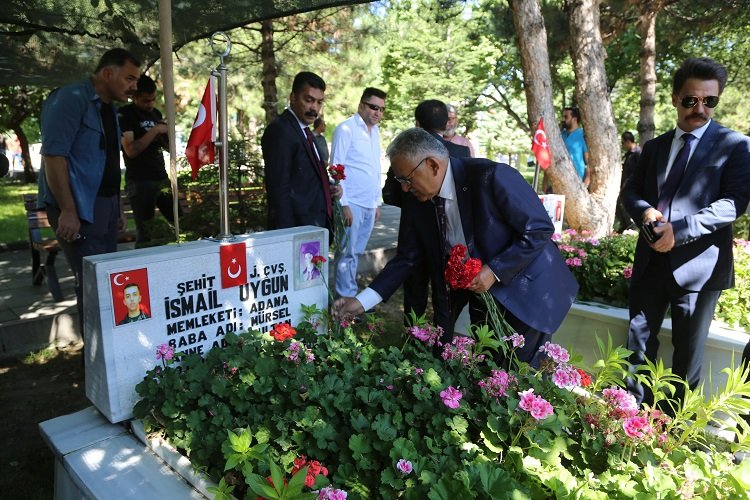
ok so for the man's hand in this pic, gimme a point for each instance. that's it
(347, 307)
(483, 281)
(377, 214)
(336, 191)
(122, 222)
(666, 242)
(652, 215)
(348, 217)
(68, 225)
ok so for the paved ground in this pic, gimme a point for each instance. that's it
(29, 316)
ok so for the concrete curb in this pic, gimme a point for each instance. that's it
(29, 335)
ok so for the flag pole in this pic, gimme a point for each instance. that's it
(167, 69)
(536, 175)
(223, 142)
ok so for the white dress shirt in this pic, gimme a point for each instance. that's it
(677, 143)
(358, 149)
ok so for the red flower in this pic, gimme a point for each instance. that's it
(585, 378)
(283, 331)
(337, 172)
(460, 274)
(318, 260)
(315, 469)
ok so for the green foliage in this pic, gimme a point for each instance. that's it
(379, 422)
(602, 266)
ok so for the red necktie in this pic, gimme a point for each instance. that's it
(323, 173)
(669, 189)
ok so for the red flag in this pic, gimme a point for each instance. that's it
(233, 260)
(540, 146)
(200, 147)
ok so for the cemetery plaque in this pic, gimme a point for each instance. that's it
(189, 297)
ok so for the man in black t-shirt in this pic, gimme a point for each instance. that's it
(144, 134)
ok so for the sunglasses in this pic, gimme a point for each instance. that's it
(407, 180)
(374, 107)
(691, 101)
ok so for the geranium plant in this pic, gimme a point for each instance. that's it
(394, 422)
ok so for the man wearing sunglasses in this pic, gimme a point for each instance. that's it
(688, 187)
(356, 145)
(491, 209)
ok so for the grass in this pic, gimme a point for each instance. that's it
(12, 214)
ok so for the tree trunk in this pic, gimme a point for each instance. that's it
(28, 168)
(532, 45)
(647, 31)
(268, 60)
(595, 212)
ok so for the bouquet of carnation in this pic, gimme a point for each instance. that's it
(460, 272)
(340, 238)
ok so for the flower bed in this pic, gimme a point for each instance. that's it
(603, 267)
(279, 414)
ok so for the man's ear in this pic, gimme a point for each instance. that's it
(433, 164)
(675, 100)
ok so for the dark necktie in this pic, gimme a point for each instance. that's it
(442, 219)
(323, 173)
(669, 189)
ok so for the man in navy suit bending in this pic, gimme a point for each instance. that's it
(690, 184)
(296, 178)
(491, 209)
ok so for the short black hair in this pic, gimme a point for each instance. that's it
(131, 285)
(701, 68)
(574, 112)
(146, 85)
(307, 78)
(116, 57)
(317, 122)
(372, 91)
(628, 136)
(432, 115)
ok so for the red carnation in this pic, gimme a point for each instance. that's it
(283, 331)
(318, 260)
(337, 172)
(460, 274)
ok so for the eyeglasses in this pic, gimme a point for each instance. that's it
(691, 101)
(407, 180)
(374, 107)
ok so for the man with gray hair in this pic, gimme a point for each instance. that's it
(492, 210)
(450, 134)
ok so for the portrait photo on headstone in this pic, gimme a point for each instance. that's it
(131, 300)
(306, 273)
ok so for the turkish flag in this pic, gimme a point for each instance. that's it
(540, 146)
(233, 260)
(200, 147)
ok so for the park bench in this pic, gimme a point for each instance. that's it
(44, 245)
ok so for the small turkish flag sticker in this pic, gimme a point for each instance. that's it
(233, 265)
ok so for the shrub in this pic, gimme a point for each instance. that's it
(390, 422)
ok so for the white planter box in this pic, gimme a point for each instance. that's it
(587, 320)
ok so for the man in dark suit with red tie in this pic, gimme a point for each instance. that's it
(688, 187)
(491, 209)
(296, 178)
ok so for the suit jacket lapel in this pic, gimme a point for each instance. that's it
(300, 134)
(464, 201)
(705, 145)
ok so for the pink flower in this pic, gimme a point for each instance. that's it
(330, 493)
(558, 353)
(517, 340)
(637, 427)
(566, 377)
(537, 406)
(451, 397)
(573, 262)
(404, 466)
(622, 403)
(627, 273)
(165, 352)
(427, 334)
(497, 385)
(418, 371)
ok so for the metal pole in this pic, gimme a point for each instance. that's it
(223, 142)
(536, 176)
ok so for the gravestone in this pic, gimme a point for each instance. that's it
(189, 297)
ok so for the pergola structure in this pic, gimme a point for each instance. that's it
(54, 42)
